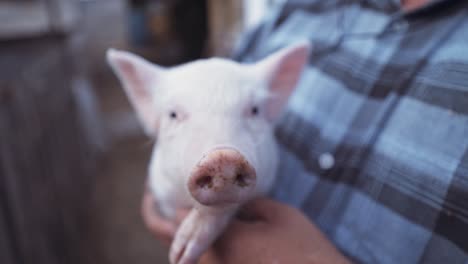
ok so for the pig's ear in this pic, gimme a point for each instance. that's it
(282, 69)
(138, 78)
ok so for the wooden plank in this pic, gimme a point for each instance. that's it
(225, 24)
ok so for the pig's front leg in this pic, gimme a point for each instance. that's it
(197, 232)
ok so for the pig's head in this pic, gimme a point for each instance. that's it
(213, 119)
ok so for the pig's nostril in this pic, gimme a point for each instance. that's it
(205, 182)
(241, 180)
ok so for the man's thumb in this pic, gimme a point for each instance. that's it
(262, 209)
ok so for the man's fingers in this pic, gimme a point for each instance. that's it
(156, 223)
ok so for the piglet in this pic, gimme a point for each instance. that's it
(215, 148)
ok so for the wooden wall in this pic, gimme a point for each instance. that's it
(45, 159)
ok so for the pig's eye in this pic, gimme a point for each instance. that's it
(254, 110)
(173, 115)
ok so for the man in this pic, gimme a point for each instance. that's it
(374, 140)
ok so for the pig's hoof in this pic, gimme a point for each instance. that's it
(196, 233)
(190, 241)
(179, 253)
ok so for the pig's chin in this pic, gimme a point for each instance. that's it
(209, 198)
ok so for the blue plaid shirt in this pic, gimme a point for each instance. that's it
(375, 137)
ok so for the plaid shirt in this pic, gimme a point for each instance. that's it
(375, 137)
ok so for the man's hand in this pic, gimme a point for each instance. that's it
(163, 228)
(272, 233)
(265, 232)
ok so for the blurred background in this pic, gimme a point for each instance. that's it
(72, 155)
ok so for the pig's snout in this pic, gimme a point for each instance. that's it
(222, 176)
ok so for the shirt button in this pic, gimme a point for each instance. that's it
(326, 161)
